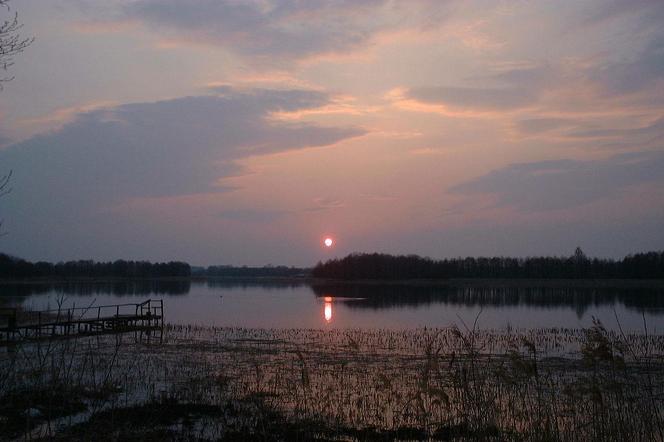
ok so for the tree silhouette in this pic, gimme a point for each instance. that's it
(11, 42)
(579, 256)
(388, 267)
(16, 268)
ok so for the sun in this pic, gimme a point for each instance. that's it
(328, 242)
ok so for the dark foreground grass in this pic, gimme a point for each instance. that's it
(206, 383)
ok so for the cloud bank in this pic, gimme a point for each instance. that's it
(162, 149)
(563, 184)
(272, 32)
(277, 30)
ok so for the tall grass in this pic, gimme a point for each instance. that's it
(441, 384)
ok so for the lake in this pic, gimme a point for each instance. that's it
(298, 305)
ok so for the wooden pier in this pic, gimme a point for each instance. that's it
(16, 325)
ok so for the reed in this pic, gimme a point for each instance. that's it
(211, 383)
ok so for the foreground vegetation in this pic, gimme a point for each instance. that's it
(206, 383)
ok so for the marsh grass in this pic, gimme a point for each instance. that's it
(210, 383)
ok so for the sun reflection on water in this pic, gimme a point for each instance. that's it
(328, 309)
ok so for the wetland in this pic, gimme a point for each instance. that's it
(329, 361)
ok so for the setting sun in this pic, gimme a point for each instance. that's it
(328, 242)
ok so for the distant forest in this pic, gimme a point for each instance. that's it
(360, 266)
(252, 272)
(389, 267)
(16, 268)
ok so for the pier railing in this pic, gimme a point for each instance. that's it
(78, 321)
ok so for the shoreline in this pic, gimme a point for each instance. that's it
(451, 283)
(502, 283)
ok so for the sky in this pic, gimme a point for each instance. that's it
(246, 131)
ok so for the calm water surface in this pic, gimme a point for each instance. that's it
(344, 306)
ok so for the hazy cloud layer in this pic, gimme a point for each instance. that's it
(150, 150)
(4, 140)
(532, 126)
(654, 131)
(510, 89)
(274, 32)
(168, 148)
(633, 73)
(520, 88)
(561, 184)
(596, 133)
(648, 13)
(639, 72)
(253, 215)
(279, 30)
(474, 98)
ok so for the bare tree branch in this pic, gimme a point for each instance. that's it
(4, 190)
(11, 42)
(4, 182)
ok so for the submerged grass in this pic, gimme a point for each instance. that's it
(212, 383)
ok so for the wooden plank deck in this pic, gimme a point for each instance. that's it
(81, 321)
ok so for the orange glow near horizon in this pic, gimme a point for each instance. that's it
(328, 309)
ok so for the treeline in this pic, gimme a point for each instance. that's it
(252, 272)
(16, 268)
(390, 267)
